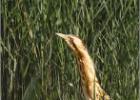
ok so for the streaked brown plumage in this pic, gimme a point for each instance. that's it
(91, 88)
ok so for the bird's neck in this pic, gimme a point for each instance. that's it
(84, 55)
(86, 61)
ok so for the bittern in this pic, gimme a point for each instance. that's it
(89, 82)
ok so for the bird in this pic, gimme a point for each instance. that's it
(89, 81)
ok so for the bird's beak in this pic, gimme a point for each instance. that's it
(62, 35)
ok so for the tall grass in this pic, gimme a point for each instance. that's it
(36, 65)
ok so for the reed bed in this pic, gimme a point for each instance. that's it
(37, 65)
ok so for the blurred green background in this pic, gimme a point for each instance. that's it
(37, 65)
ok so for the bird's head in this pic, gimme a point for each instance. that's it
(74, 42)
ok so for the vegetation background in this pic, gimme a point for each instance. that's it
(37, 65)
